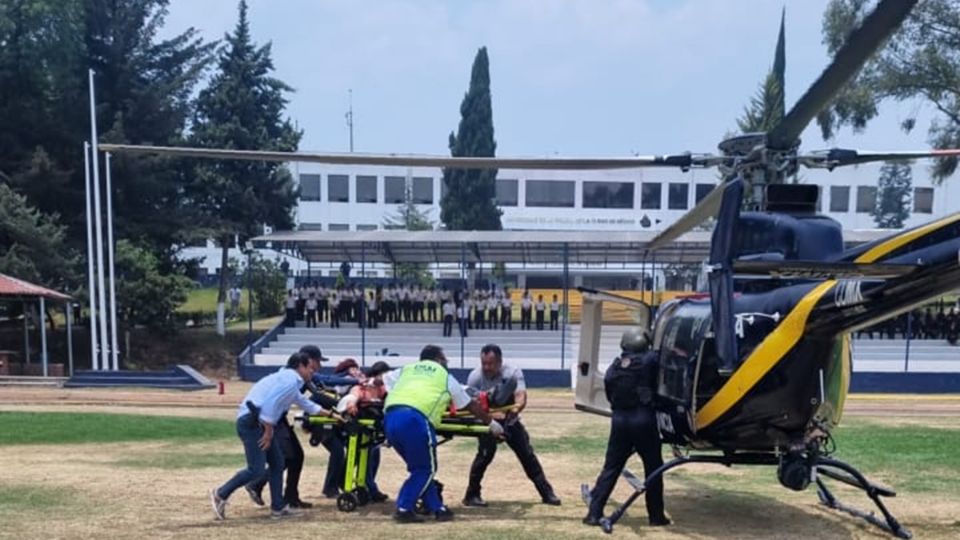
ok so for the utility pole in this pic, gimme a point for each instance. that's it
(349, 116)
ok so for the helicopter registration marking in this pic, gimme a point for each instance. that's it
(665, 423)
(847, 293)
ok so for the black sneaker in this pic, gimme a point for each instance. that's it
(406, 516)
(551, 499)
(300, 504)
(591, 520)
(659, 521)
(255, 495)
(444, 514)
(474, 500)
(379, 497)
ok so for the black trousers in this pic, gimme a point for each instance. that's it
(447, 325)
(284, 435)
(539, 319)
(519, 441)
(506, 318)
(631, 431)
(478, 322)
(554, 320)
(492, 316)
(525, 318)
(311, 318)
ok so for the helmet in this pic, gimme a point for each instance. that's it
(635, 340)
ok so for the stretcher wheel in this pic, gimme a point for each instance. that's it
(362, 495)
(346, 502)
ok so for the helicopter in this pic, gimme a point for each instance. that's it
(755, 371)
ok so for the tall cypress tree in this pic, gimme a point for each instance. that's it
(469, 201)
(893, 195)
(242, 108)
(767, 108)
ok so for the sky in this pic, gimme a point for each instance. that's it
(568, 77)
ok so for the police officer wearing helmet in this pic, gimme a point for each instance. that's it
(630, 385)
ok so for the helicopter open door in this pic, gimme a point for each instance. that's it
(590, 395)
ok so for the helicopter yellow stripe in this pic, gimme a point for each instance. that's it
(883, 248)
(763, 358)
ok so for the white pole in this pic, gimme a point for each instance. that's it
(69, 315)
(43, 335)
(113, 281)
(94, 364)
(101, 300)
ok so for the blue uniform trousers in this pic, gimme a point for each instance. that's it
(412, 436)
(249, 430)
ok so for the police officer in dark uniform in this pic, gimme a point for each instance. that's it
(630, 385)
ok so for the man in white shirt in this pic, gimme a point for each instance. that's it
(506, 311)
(257, 415)
(449, 310)
(526, 307)
(554, 314)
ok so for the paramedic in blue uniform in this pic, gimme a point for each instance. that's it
(419, 394)
(630, 385)
(257, 415)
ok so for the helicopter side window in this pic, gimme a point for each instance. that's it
(678, 348)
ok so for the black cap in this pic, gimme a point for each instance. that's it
(314, 353)
(378, 368)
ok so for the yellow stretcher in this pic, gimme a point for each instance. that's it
(362, 434)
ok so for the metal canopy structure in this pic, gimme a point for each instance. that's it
(529, 247)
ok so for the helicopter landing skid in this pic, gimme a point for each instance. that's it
(853, 477)
(639, 485)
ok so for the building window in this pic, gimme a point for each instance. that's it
(366, 189)
(551, 193)
(507, 192)
(678, 196)
(422, 190)
(310, 226)
(839, 198)
(650, 196)
(608, 194)
(309, 187)
(702, 190)
(923, 200)
(338, 188)
(338, 227)
(394, 188)
(366, 227)
(866, 199)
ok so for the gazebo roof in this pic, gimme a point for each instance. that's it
(18, 288)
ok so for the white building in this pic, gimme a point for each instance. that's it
(359, 198)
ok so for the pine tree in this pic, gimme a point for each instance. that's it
(767, 108)
(242, 108)
(469, 201)
(893, 195)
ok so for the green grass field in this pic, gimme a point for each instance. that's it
(156, 471)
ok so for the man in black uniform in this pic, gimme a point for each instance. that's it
(505, 386)
(630, 385)
(286, 437)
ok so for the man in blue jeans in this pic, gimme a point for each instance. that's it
(419, 393)
(258, 413)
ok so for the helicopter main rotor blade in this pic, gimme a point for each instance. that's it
(860, 45)
(704, 210)
(683, 161)
(839, 157)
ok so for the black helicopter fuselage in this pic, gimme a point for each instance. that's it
(793, 332)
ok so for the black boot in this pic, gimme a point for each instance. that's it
(546, 491)
(659, 521)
